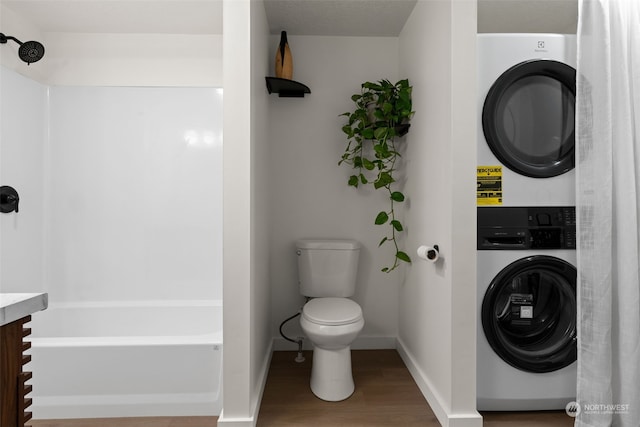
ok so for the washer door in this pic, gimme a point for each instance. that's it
(529, 314)
(528, 118)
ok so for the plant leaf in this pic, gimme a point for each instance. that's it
(382, 150)
(381, 218)
(381, 133)
(368, 165)
(367, 133)
(397, 196)
(403, 256)
(372, 86)
(396, 224)
(383, 179)
(348, 130)
(379, 108)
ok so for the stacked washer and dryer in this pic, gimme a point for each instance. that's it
(526, 348)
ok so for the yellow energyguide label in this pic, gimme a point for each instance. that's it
(489, 185)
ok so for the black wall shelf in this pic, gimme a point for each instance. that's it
(286, 88)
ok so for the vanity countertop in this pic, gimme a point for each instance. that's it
(17, 306)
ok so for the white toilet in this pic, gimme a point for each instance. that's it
(327, 274)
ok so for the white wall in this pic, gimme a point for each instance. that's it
(23, 118)
(247, 343)
(528, 16)
(100, 59)
(308, 190)
(437, 323)
(261, 191)
(89, 59)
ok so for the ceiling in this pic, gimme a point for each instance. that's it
(338, 17)
(299, 17)
(121, 16)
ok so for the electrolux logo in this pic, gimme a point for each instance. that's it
(541, 46)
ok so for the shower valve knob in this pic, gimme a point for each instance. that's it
(9, 199)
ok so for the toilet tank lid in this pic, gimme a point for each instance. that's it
(341, 244)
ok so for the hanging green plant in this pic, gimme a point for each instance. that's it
(381, 113)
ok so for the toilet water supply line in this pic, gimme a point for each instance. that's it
(299, 358)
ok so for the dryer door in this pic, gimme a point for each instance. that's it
(529, 314)
(528, 118)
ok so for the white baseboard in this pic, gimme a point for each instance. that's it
(442, 413)
(235, 421)
(253, 419)
(361, 343)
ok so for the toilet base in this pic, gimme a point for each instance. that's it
(331, 377)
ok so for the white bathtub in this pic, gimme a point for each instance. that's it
(126, 359)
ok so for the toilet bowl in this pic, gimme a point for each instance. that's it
(332, 324)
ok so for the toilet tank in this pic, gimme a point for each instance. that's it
(327, 268)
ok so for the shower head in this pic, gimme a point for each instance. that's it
(29, 52)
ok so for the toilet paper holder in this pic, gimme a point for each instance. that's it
(429, 253)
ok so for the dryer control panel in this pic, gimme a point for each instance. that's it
(520, 228)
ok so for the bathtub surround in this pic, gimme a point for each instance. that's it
(134, 185)
(120, 199)
(22, 156)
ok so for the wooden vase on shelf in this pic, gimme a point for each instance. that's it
(284, 62)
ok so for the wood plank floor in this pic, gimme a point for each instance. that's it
(385, 395)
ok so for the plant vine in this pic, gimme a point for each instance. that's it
(382, 110)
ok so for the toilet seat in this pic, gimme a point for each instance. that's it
(332, 311)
